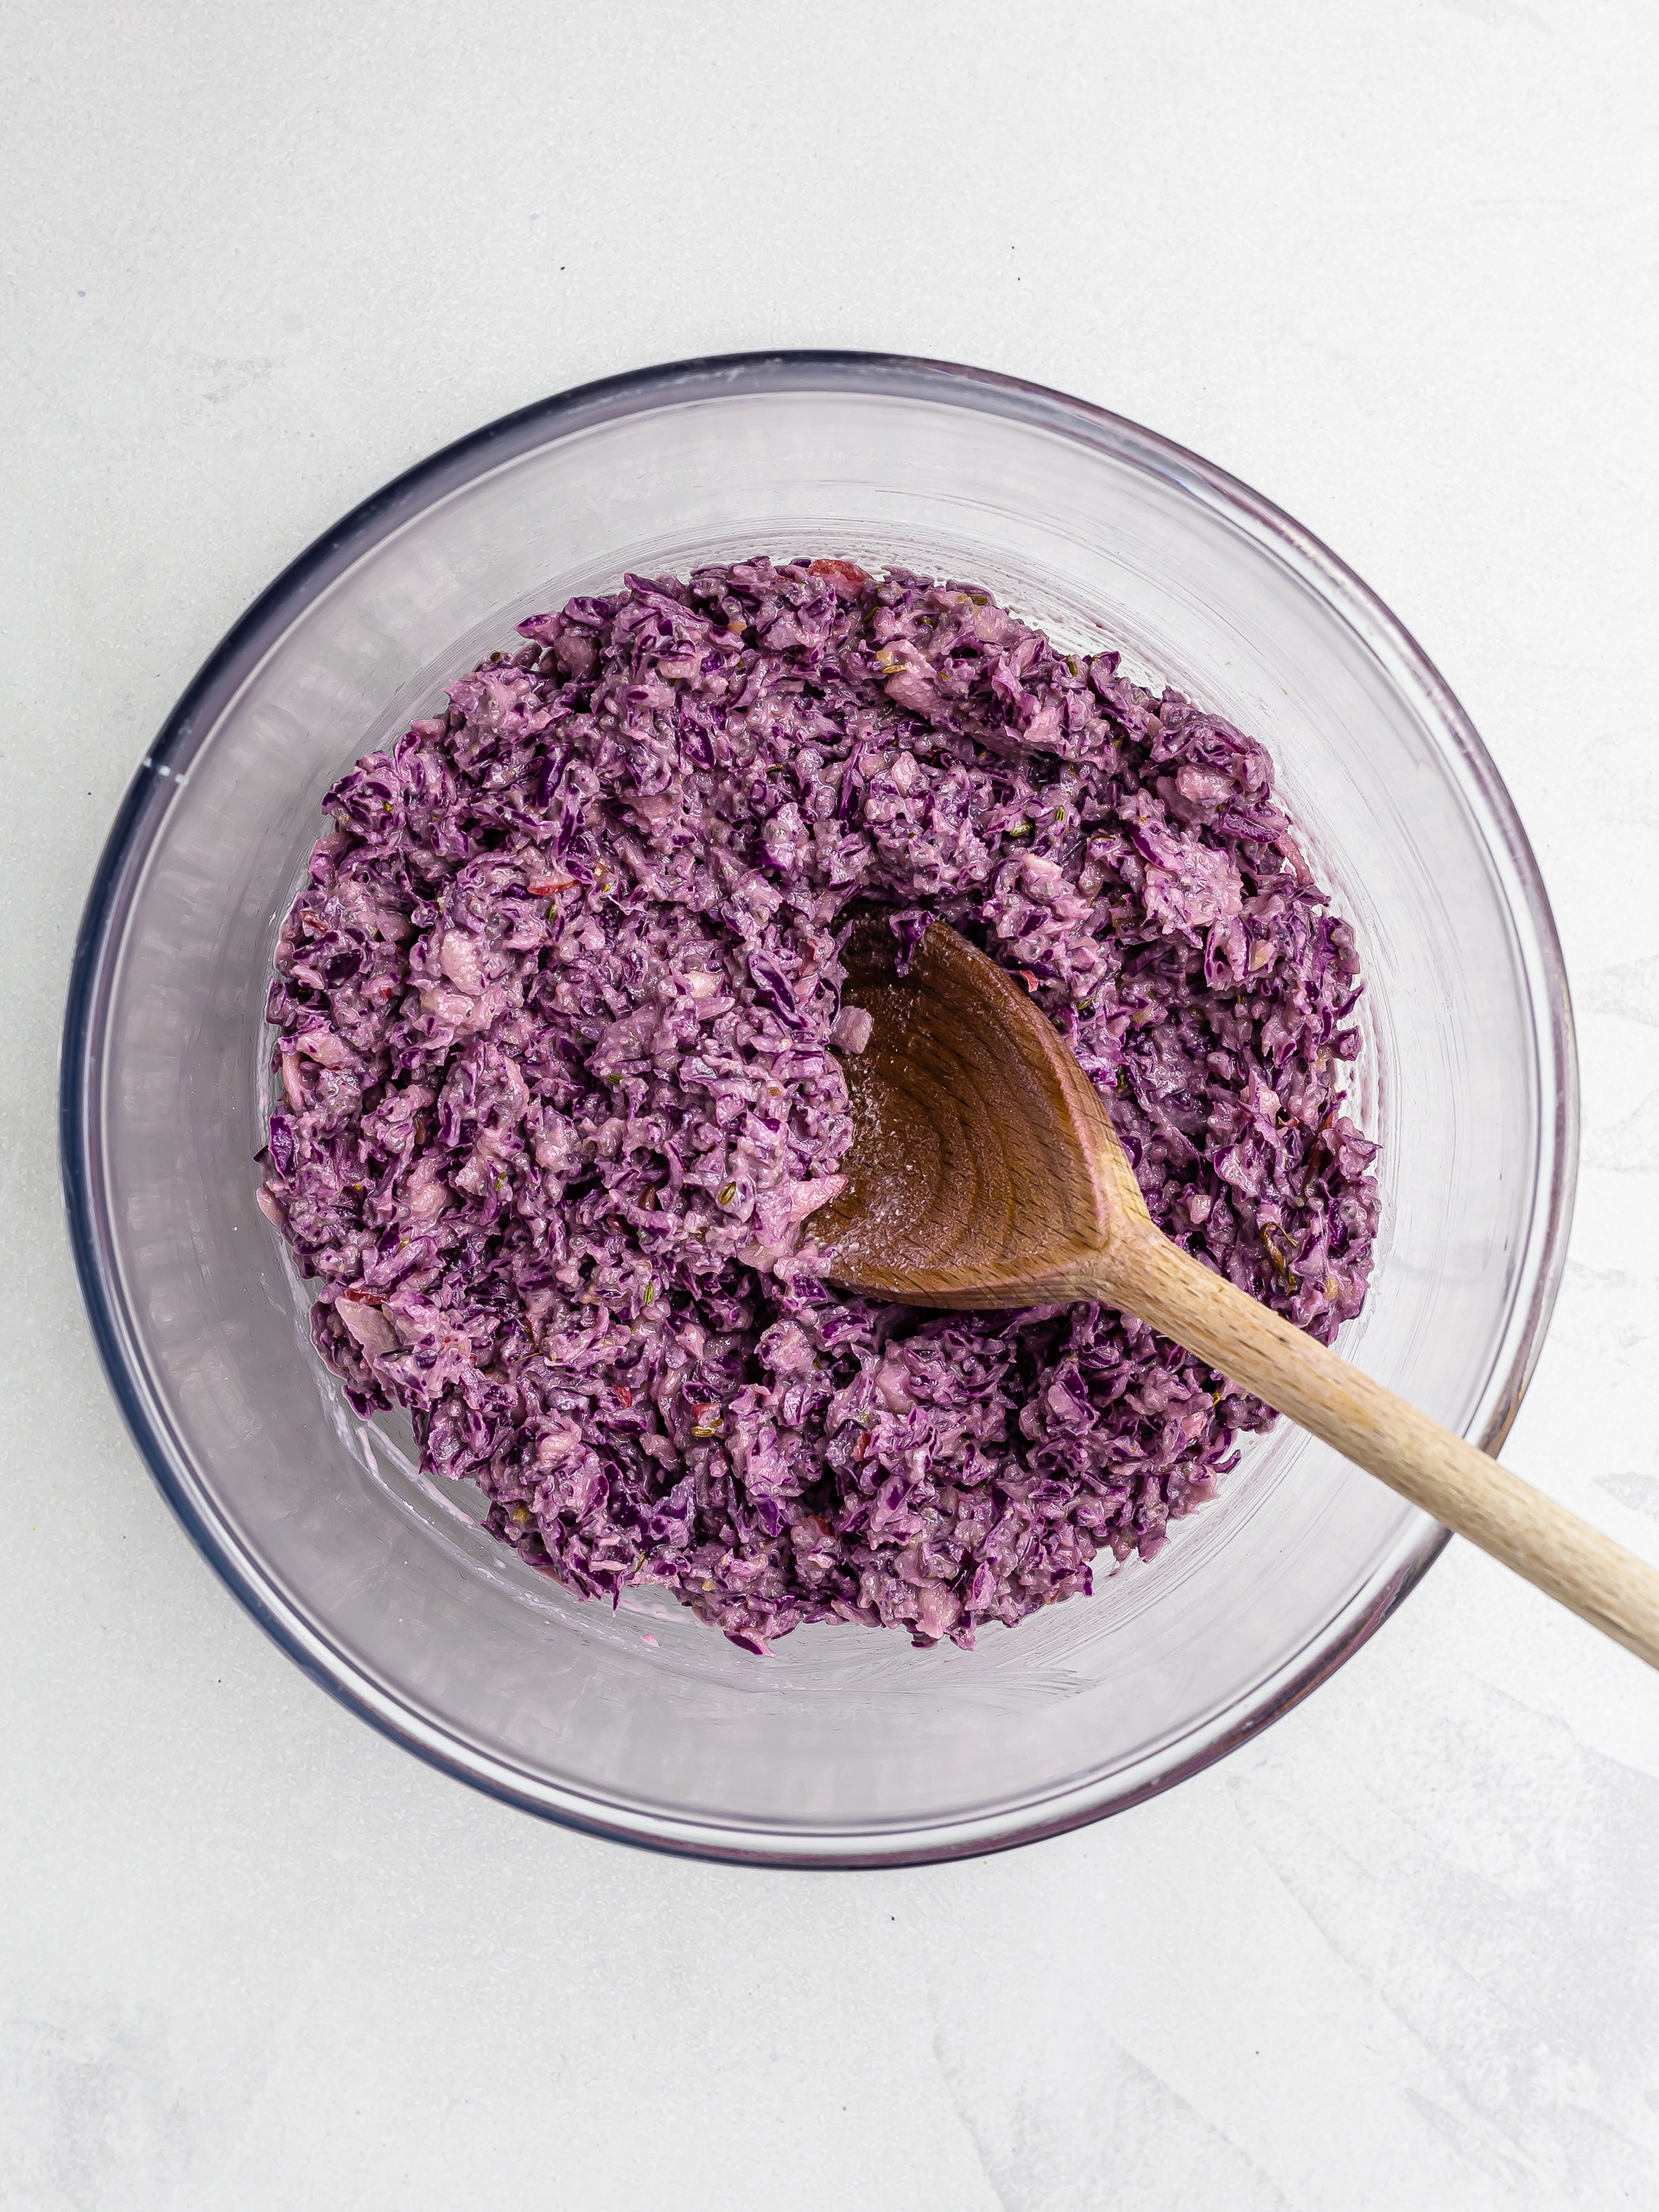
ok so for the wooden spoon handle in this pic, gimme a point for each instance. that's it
(1447, 1477)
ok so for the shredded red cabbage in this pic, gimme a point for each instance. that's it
(558, 1012)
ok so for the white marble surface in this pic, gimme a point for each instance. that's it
(1392, 263)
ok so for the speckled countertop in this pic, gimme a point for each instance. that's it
(1391, 263)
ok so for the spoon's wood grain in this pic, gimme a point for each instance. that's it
(984, 1171)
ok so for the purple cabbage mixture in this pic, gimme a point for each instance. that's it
(559, 1016)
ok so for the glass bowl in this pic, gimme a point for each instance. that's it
(848, 1747)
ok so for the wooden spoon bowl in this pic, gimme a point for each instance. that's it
(983, 1170)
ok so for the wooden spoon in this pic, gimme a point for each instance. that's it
(984, 1171)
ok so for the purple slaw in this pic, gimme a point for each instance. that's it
(558, 1022)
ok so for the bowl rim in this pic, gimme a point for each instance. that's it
(111, 895)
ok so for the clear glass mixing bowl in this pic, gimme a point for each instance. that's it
(848, 1747)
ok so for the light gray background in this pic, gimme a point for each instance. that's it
(1395, 264)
